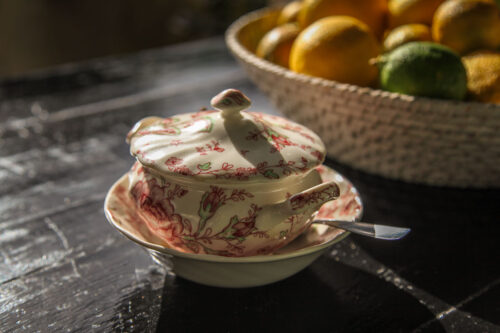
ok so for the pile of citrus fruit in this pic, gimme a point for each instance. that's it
(434, 48)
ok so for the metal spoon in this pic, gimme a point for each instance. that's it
(367, 229)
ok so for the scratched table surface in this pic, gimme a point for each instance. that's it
(64, 268)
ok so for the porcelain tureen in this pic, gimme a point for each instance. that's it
(226, 181)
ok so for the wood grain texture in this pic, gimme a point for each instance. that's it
(64, 268)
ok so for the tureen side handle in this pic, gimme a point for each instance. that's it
(312, 199)
(305, 202)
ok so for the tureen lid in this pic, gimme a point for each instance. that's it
(225, 143)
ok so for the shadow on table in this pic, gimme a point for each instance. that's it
(325, 297)
(449, 252)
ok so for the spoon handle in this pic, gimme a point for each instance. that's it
(367, 229)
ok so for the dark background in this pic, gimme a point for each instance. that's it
(41, 33)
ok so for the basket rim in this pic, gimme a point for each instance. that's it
(231, 38)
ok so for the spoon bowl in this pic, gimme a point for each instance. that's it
(378, 231)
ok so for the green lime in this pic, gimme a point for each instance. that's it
(423, 69)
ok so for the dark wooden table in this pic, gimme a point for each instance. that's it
(64, 268)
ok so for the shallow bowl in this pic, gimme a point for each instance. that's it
(238, 272)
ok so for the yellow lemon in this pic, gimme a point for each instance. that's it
(336, 48)
(371, 12)
(276, 44)
(467, 25)
(411, 11)
(407, 33)
(483, 73)
(289, 13)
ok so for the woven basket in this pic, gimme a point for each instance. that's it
(415, 139)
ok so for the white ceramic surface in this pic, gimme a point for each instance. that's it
(237, 272)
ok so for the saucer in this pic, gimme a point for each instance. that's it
(238, 272)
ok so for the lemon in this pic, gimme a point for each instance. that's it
(371, 12)
(405, 34)
(483, 72)
(411, 11)
(276, 44)
(424, 69)
(336, 48)
(289, 13)
(467, 25)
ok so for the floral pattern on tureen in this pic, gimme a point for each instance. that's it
(226, 144)
(164, 207)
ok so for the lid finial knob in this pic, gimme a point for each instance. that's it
(230, 102)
